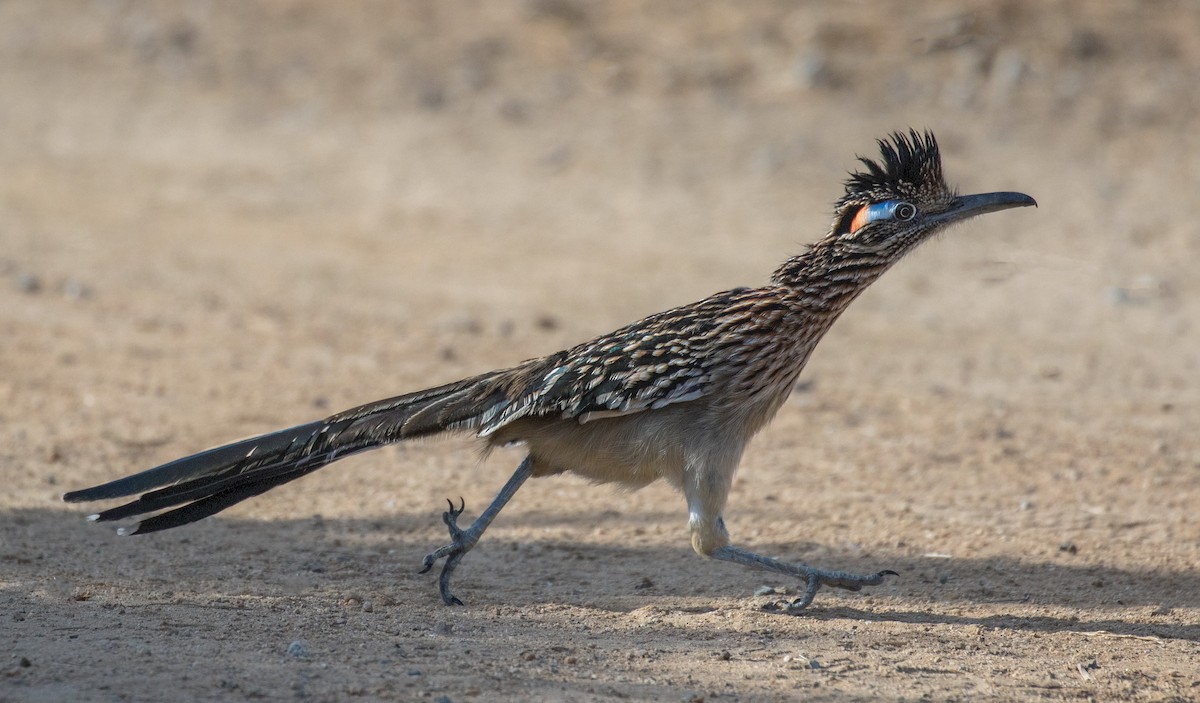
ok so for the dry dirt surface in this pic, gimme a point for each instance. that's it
(222, 218)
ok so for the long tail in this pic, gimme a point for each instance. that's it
(203, 484)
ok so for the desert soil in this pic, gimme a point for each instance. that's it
(218, 219)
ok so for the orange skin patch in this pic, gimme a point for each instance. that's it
(861, 218)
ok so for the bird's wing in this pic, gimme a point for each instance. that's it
(674, 356)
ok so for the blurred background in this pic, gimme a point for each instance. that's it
(432, 188)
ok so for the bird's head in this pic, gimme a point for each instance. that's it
(894, 204)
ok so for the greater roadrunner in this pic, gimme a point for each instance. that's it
(675, 396)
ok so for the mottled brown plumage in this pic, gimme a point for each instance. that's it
(675, 396)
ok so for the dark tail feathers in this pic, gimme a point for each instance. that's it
(206, 483)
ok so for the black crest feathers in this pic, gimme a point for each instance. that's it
(910, 163)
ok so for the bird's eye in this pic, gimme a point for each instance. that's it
(904, 211)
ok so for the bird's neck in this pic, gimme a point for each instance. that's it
(826, 279)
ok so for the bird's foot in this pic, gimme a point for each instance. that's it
(815, 578)
(461, 542)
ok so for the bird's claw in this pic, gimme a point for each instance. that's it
(450, 517)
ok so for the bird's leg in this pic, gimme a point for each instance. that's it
(706, 493)
(461, 541)
(813, 577)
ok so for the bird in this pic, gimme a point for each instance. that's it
(676, 396)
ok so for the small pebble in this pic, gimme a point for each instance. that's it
(28, 283)
(25, 663)
(297, 649)
(1088, 45)
(812, 71)
(75, 289)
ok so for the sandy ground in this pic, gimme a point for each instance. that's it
(222, 218)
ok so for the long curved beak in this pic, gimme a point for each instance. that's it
(968, 206)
